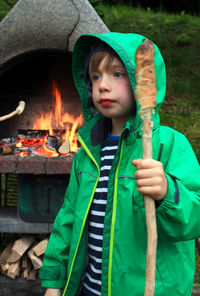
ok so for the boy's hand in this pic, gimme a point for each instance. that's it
(151, 179)
(52, 292)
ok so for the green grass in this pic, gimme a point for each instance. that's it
(5, 7)
(178, 37)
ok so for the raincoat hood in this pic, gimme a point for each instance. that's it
(125, 45)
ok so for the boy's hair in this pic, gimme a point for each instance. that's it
(96, 60)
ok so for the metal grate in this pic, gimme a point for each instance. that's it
(9, 190)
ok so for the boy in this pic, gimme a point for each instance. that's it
(98, 242)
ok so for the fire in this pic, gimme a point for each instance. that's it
(44, 123)
(57, 123)
(19, 144)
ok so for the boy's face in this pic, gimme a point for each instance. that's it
(111, 90)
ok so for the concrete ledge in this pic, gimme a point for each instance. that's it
(11, 223)
(36, 165)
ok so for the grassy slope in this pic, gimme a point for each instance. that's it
(178, 37)
(5, 7)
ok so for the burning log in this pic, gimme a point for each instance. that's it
(57, 144)
(37, 143)
(23, 258)
(11, 142)
(32, 134)
(53, 142)
(64, 148)
(5, 150)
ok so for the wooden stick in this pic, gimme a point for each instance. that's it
(18, 111)
(145, 94)
(150, 211)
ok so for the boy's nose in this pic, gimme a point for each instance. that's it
(104, 83)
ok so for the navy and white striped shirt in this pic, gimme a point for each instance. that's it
(92, 280)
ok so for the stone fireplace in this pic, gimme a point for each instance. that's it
(36, 44)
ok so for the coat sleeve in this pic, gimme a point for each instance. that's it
(178, 215)
(54, 270)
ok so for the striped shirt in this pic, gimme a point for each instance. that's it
(92, 280)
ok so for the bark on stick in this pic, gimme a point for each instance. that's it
(145, 94)
(149, 211)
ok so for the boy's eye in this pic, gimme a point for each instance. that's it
(95, 77)
(118, 74)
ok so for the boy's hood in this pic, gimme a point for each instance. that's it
(125, 45)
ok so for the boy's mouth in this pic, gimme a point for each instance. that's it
(105, 102)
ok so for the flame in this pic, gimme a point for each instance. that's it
(50, 151)
(59, 120)
(19, 144)
(24, 153)
(58, 106)
(44, 123)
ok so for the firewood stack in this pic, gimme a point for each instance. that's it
(23, 258)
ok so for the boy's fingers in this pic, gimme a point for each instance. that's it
(145, 163)
(154, 191)
(144, 174)
(149, 182)
(136, 162)
(149, 173)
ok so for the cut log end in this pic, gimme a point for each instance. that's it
(64, 148)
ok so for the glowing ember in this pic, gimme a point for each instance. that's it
(58, 121)
(31, 142)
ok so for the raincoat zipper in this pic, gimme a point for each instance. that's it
(113, 221)
(84, 220)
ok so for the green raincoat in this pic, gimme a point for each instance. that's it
(124, 238)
